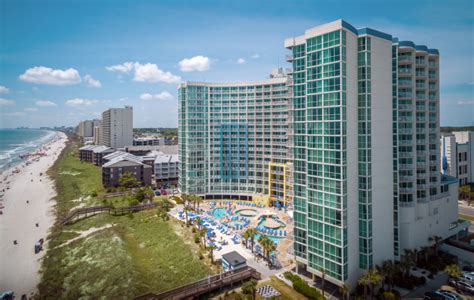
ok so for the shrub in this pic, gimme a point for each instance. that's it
(197, 239)
(302, 286)
(389, 296)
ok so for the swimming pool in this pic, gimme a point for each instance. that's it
(219, 213)
(247, 212)
(275, 239)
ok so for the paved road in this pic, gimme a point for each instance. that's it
(465, 210)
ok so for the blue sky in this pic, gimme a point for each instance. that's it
(64, 61)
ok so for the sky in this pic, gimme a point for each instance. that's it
(66, 61)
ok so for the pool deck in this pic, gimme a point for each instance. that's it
(283, 246)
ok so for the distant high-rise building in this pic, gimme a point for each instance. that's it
(85, 128)
(97, 136)
(117, 127)
(457, 155)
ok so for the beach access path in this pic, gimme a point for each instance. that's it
(19, 264)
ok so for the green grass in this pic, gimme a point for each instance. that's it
(287, 292)
(138, 254)
(466, 217)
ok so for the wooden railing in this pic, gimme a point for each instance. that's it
(205, 285)
(85, 212)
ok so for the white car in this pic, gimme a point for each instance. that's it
(468, 276)
(449, 295)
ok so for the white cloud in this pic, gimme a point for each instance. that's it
(45, 103)
(241, 61)
(160, 96)
(151, 73)
(15, 114)
(255, 55)
(145, 73)
(4, 89)
(196, 63)
(44, 75)
(91, 82)
(123, 68)
(5, 102)
(468, 102)
(31, 109)
(76, 102)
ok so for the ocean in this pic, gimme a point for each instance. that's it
(14, 142)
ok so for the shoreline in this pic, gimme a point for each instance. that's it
(27, 214)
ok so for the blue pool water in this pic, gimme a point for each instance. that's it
(218, 213)
(273, 238)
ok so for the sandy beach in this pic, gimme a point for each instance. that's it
(26, 201)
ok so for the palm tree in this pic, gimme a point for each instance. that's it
(202, 233)
(364, 281)
(453, 271)
(198, 222)
(345, 289)
(268, 246)
(186, 209)
(252, 233)
(407, 263)
(250, 288)
(389, 269)
(246, 236)
(323, 279)
(382, 274)
(371, 278)
(198, 200)
(211, 252)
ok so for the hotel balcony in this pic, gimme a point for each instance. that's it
(405, 142)
(405, 107)
(422, 186)
(405, 131)
(289, 71)
(406, 166)
(289, 57)
(407, 190)
(407, 178)
(406, 154)
(405, 118)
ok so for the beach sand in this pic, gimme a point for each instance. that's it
(19, 264)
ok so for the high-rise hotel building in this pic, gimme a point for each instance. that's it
(233, 139)
(365, 116)
(362, 129)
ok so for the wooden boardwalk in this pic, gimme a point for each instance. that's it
(81, 213)
(205, 285)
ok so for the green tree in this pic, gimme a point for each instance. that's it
(128, 180)
(407, 262)
(145, 193)
(371, 278)
(323, 279)
(250, 288)
(252, 233)
(453, 271)
(464, 192)
(211, 249)
(268, 246)
(345, 289)
(246, 237)
(389, 270)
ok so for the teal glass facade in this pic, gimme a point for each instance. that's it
(228, 135)
(319, 152)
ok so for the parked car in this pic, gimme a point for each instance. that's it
(433, 296)
(7, 295)
(465, 286)
(468, 276)
(449, 295)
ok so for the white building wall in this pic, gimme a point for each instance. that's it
(382, 150)
(414, 233)
(352, 160)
